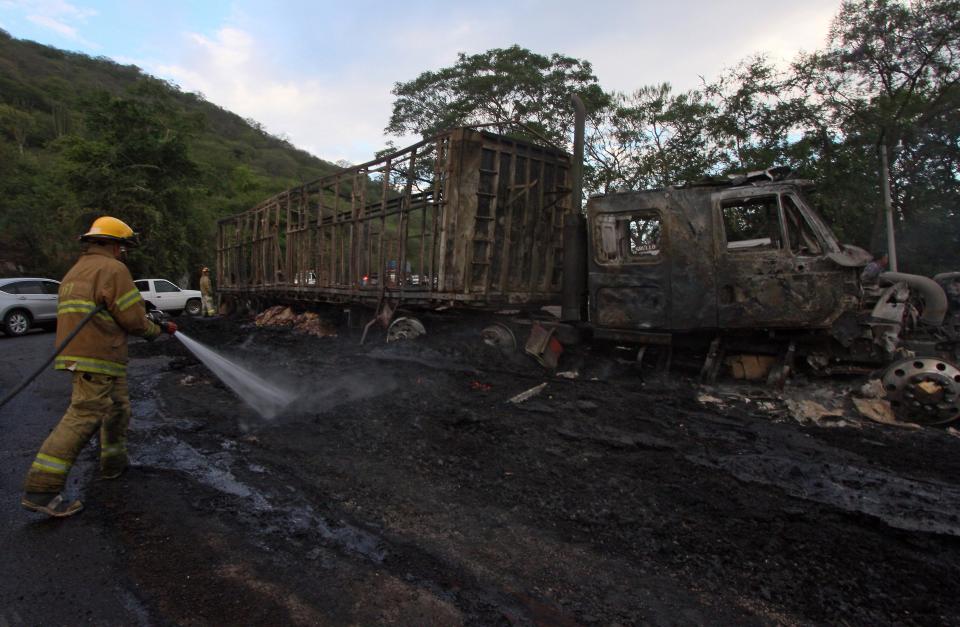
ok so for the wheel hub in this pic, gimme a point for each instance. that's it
(924, 390)
(405, 329)
(18, 323)
(499, 336)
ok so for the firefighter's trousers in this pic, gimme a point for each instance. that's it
(99, 402)
(208, 308)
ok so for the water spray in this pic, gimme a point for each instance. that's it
(265, 398)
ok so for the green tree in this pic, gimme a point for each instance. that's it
(18, 124)
(888, 80)
(509, 88)
(651, 138)
(133, 162)
(758, 111)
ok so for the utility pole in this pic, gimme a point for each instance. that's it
(888, 206)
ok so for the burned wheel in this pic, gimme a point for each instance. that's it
(405, 329)
(500, 336)
(924, 390)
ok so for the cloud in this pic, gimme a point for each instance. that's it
(58, 16)
(58, 9)
(687, 45)
(58, 27)
(333, 117)
(299, 82)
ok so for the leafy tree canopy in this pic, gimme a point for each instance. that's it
(509, 88)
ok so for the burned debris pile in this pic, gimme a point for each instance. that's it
(308, 322)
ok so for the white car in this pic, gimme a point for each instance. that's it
(27, 302)
(163, 295)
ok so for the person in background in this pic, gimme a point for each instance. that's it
(206, 292)
(871, 273)
(98, 285)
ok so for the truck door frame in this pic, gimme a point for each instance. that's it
(750, 280)
(774, 287)
(629, 292)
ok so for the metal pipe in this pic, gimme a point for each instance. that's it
(574, 227)
(576, 168)
(946, 276)
(934, 298)
(888, 207)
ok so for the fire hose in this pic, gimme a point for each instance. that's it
(58, 350)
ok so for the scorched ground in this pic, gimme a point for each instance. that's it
(402, 488)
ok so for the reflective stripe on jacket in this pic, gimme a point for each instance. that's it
(101, 346)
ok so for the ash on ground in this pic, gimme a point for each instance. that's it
(404, 488)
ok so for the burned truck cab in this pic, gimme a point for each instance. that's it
(749, 254)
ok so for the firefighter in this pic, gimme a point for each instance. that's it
(96, 359)
(206, 293)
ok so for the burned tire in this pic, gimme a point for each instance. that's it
(17, 322)
(405, 329)
(500, 336)
(194, 307)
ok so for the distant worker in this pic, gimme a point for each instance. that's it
(206, 292)
(871, 273)
(97, 358)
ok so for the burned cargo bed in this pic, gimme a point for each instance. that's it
(466, 218)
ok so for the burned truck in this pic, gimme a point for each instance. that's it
(473, 221)
(749, 267)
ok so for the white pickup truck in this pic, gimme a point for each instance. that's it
(163, 295)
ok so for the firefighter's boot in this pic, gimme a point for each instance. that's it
(50, 504)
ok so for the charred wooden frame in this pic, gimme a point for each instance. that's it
(465, 218)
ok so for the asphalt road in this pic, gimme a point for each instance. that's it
(53, 572)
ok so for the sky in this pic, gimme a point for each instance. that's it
(320, 73)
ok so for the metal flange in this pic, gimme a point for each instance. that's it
(924, 390)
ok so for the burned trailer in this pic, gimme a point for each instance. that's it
(466, 219)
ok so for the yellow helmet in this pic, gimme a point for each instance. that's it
(110, 228)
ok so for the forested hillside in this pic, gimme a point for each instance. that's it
(80, 136)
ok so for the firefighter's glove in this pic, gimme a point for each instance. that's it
(168, 327)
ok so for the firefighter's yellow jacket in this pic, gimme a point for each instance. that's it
(101, 346)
